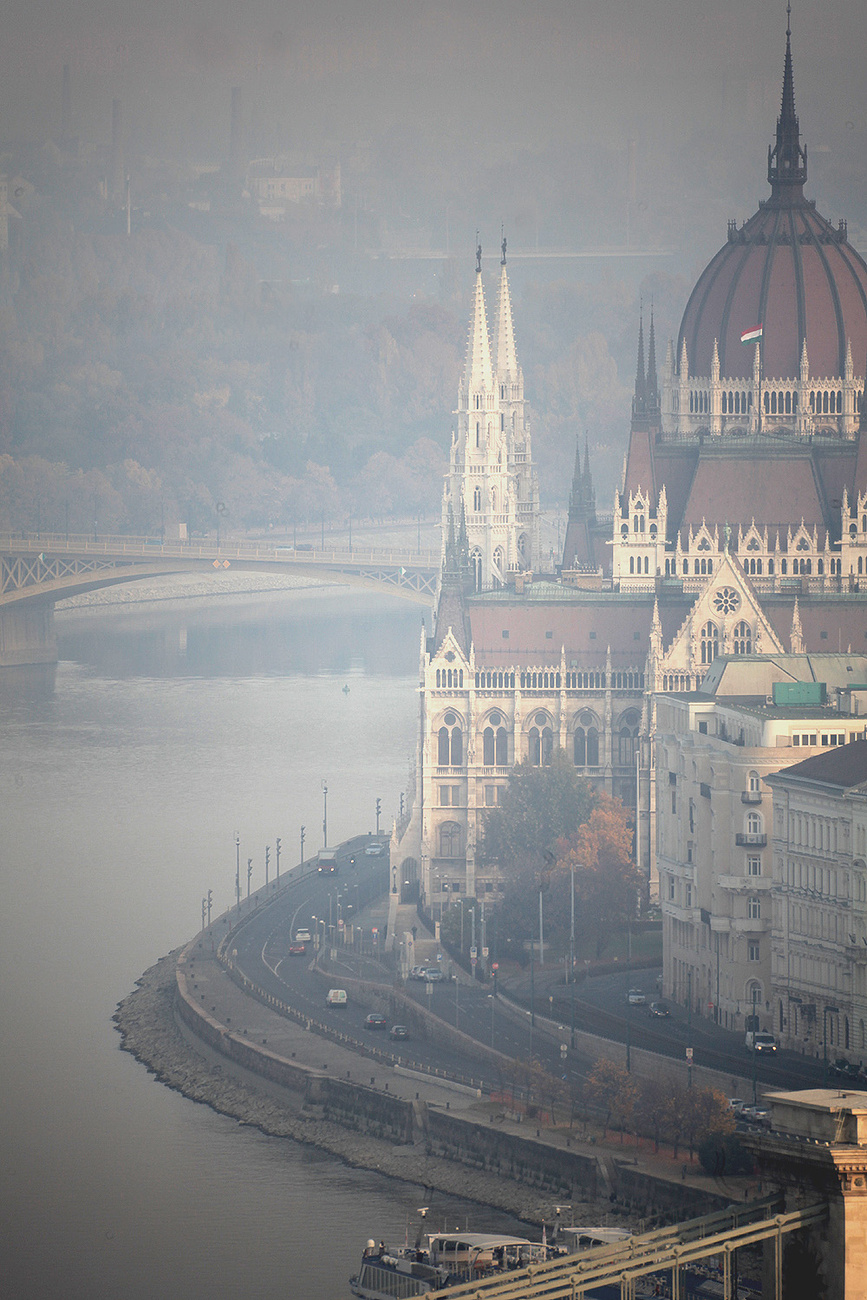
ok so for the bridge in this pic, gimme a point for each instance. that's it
(663, 1253)
(37, 570)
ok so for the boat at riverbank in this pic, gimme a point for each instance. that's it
(449, 1258)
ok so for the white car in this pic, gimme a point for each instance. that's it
(636, 998)
(302, 936)
(374, 850)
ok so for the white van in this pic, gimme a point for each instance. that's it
(302, 936)
(335, 998)
(759, 1040)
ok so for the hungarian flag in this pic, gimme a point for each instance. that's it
(752, 336)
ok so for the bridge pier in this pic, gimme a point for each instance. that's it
(27, 634)
(817, 1151)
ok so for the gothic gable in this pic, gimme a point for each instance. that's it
(727, 618)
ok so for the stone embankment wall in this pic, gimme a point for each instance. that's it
(353, 1105)
(556, 1172)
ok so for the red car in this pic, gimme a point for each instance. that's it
(297, 949)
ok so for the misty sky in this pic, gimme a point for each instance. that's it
(455, 80)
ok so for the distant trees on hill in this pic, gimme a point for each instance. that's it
(147, 380)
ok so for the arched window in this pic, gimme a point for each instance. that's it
(541, 746)
(488, 747)
(450, 840)
(754, 784)
(743, 641)
(450, 742)
(754, 823)
(501, 747)
(477, 498)
(579, 747)
(443, 747)
(709, 643)
(592, 747)
(476, 562)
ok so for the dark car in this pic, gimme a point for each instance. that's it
(398, 1031)
(297, 949)
(374, 1021)
(659, 1009)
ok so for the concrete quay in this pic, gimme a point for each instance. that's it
(201, 1033)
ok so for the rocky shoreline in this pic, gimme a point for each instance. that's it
(146, 1022)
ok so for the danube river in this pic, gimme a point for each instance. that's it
(166, 729)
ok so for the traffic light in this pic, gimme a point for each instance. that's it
(210, 900)
(267, 861)
(378, 811)
(278, 857)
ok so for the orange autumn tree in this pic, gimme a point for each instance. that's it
(607, 881)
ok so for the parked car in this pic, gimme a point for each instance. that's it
(636, 998)
(398, 1032)
(659, 1009)
(374, 1021)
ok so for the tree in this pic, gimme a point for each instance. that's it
(612, 1089)
(542, 805)
(607, 881)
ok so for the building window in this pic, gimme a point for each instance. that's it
(450, 840)
(450, 743)
(541, 746)
(754, 866)
(688, 895)
(754, 950)
(671, 889)
(754, 824)
(709, 643)
(743, 642)
(754, 909)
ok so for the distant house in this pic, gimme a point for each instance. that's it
(278, 186)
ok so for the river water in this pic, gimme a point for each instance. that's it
(124, 777)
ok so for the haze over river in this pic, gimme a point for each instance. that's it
(167, 728)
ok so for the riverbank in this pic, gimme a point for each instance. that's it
(146, 1022)
(460, 1143)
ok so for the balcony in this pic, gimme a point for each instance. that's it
(751, 796)
(745, 840)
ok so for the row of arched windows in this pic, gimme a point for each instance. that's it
(450, 677)
(737, 403)
(781, 403)
(742, 641)
(635, 564)
(698, 403)
(495, 744)
(495, 681)
(826, 403)
(677, 682)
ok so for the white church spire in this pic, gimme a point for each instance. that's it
(507, 360)
(478, 371)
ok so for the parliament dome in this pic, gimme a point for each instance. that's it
(787, 270)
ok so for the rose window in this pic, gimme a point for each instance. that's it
(726, 600)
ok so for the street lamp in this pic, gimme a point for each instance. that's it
(826, 1011)
(689, 1032)
(492, 1001)
(238, 869)
(325, 814)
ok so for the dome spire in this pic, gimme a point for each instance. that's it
(787, 161)
(639, 401)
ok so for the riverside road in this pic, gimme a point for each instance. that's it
(347, 917)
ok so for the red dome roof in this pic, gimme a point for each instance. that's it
(786, 269)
